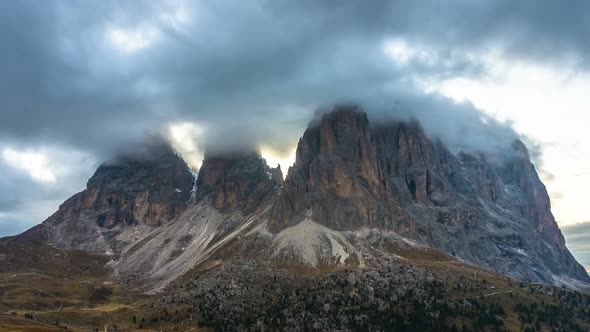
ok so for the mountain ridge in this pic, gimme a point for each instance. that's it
(357, 192)
(391, 176)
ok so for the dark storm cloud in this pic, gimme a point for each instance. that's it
(58, 82)
(62, 80)
(255, 71)
(244, 61)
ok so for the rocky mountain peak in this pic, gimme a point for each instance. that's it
(148, 186)
(352, 175)
(356, 189)
(335, 167)
(237, 180)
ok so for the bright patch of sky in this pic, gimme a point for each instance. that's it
(35, 163)
(578, 242)
(184, 137)
(402, 52)
(551, 107)
(48, 165)
(275, 157)
(37, 182)
(145, 34)
(134, 39)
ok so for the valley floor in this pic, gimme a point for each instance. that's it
(422, 290)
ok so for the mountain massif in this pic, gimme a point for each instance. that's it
(492, 211)
(362, 200)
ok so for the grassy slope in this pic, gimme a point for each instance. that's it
(64, 291)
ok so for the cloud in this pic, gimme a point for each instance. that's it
(35, 182)
(97, 77)
(576, 237)
(101, 76)
(33, 162)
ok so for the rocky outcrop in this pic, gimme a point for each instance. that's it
(492, 211)
(232, 192)
(337, 178)
(237, 180)
(146, 188)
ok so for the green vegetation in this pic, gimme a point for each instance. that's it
(432, 293)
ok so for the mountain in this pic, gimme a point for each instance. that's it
(355, 187)
(370, 205)
(135, 191)
(492, 211)
(230, 193)
(237, 181)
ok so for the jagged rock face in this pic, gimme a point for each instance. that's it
(336, 178)
(490, 210)
(356, 191)
(231, 194)
(149, 188)
(349, 175)
(237, 181)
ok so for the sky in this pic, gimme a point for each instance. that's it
(577, 242)
(82, 81)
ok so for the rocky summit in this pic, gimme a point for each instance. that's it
(146, 189)
(376, 222)
(492, 211)
(237, 181)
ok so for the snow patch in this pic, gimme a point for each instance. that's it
(194, 189)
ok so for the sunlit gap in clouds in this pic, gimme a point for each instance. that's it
(49, 165)
(185, 138)
(35, 163)
(401, 52)
(276, 157)
(131, 39)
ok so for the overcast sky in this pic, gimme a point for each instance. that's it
(81, 80)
